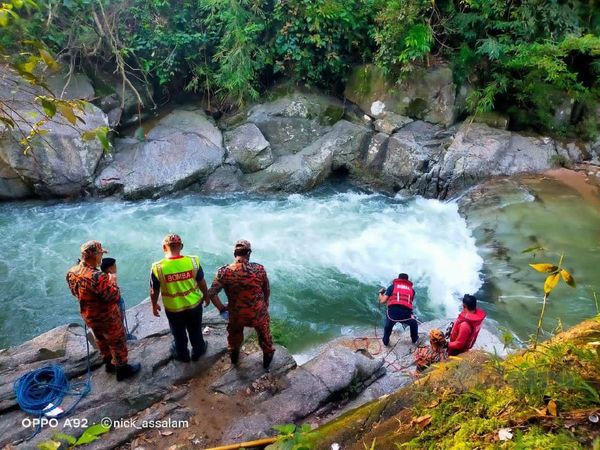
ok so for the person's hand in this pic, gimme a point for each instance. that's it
(156, 309)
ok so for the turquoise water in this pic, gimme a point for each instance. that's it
(542, 213)
(326, 254)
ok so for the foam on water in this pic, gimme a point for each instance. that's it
(326, 254)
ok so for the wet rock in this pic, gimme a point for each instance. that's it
(183, 148)
(249, 148)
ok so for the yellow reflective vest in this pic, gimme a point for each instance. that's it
(178, 285)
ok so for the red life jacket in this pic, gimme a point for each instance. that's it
(474, 320)
(403, 294)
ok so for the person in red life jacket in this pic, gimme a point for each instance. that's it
(179, 279)
(399, 298)
(466, 328)
(247, 288)
(99, 304)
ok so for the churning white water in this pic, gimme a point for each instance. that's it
(326, 254)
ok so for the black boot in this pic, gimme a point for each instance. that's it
(234, 355)
(109, 366)
(127, 371)
(267, 358)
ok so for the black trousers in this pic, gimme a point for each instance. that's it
(402, 315)
(184, 324)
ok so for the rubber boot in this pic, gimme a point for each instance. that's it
(109, 366)
(267, 358)
(127, 371)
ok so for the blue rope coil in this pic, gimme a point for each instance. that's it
(49, 384)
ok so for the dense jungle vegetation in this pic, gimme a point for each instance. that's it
(520, 58)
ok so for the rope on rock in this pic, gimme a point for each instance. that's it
(39, 391)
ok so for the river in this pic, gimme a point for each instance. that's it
(327, 253)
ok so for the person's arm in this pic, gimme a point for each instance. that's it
(385, 296)
(460, 343)
(213, 292)
(154, 293)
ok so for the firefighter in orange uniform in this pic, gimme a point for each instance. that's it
(99, 306)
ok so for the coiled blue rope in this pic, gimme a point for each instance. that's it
(49, 384)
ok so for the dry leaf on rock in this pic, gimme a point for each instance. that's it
(422, 421)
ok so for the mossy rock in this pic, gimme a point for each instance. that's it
(492, 119)
(331, 115)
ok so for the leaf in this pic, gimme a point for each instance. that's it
(552, 408)
(49, 60)
(88, 135)
(551, 282)
(139, 134)
(92, 433)
(49, 107)
(67, 112)
(546, 268)
(65, 437)
(568, 278)
(102, 134)
(285, 429)
(49, 445)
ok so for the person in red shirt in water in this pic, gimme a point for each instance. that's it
(466, 328)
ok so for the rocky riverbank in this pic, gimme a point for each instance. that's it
(219, 402)
(402, 138)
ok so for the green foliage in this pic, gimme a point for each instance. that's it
(91, 434)
(291, 437)
(317, 40)
(515, 393)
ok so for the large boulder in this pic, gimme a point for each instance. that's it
(426, 94)
(60, 162)
(295, 120)
(226, 178)
(479, 152)
(183, 148)
(343, 146)
(249, 148)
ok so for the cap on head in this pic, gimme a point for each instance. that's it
(172, 239)
(91, 248)
(242, 245)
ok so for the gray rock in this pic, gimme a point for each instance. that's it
(111, 398)
(292, 122)
(179, 151)
(426, 94)
(249, 369)
(249, 148)
(75, 87)
(127, 99)
(225, 179)
(11, 185)
(376, 152)
(61, 162)
(187, 119)
(339, 366)
(391, 122)
(343, 146)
